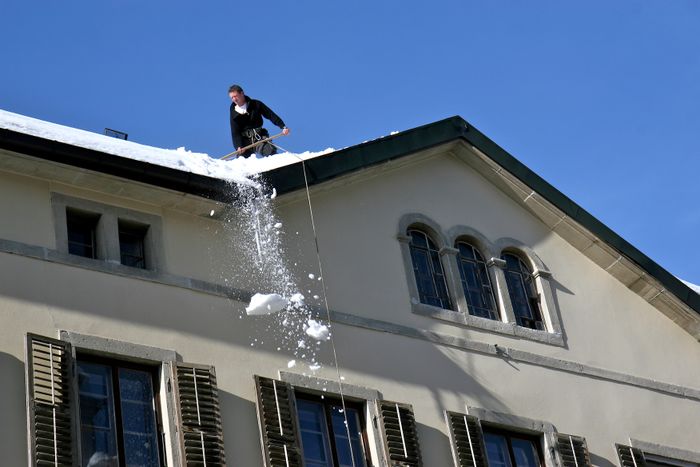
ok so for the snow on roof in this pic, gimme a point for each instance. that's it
(238, 170)
(696, 288)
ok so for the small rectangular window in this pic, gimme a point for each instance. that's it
(132, 241)
(82, 232)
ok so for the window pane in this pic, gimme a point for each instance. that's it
(138, 418)
(476, 283)
(497, 450)
(314, 435)
(81, 228)
(525, 453)
(97, 422)
(131, 244)
(342, 446)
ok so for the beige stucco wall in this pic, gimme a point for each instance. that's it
(605, 324)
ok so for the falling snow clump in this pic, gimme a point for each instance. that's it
(265, 304)
(317, 330)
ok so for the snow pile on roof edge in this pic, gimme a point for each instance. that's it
(696, 288)
(238, 170)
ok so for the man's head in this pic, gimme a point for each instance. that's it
(235, 92)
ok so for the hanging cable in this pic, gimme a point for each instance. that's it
(325, 300)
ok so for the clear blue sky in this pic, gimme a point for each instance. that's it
(601, 98)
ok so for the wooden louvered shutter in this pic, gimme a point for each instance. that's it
(630, 457)
(400, 434)
(573, 451)
(278, 423)
(467, 440)
(49, 365)
(201, 434)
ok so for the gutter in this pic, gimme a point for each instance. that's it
(144, 172)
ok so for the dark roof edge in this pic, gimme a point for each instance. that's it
(348, 160)
(144, 172)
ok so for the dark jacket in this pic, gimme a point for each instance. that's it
(252, 119)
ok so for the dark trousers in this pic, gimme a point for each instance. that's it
(252, 135)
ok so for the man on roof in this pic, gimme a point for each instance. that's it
(247, 121)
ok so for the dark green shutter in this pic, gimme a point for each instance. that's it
(278, 424)
(467, 440)
(630, 457)
(400, 434)
(201, 433)
(49, 365)
(573, 451)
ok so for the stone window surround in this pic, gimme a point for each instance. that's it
(515, 424)
(491, 251)
(143, 354)
(666, 451)
(107, 232)
(356, 393)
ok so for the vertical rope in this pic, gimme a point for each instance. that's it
(328, 313)
(325, 301)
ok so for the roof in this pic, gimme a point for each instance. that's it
(323, 167)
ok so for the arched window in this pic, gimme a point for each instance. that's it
(475, 282)
(523, 293)
(430, 277)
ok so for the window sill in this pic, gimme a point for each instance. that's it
(485, 324)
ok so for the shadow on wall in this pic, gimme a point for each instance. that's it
(13, 410)
(599, 461)
(241, 432)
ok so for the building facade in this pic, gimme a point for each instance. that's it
(478, 316)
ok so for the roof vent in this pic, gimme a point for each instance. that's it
(116, 134)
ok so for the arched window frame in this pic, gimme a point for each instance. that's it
(439, 296)
(490, 251)
(542, 279)
(485, 281)
(520, 280)
(431, 229)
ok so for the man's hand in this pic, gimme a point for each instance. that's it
(285, 131)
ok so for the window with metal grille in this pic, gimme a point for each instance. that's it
(476, 282)
(118, 417)
(326, 440)
(82, 232)
(132, 243)
(506, 449)
(523, 293)
(427, 267)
